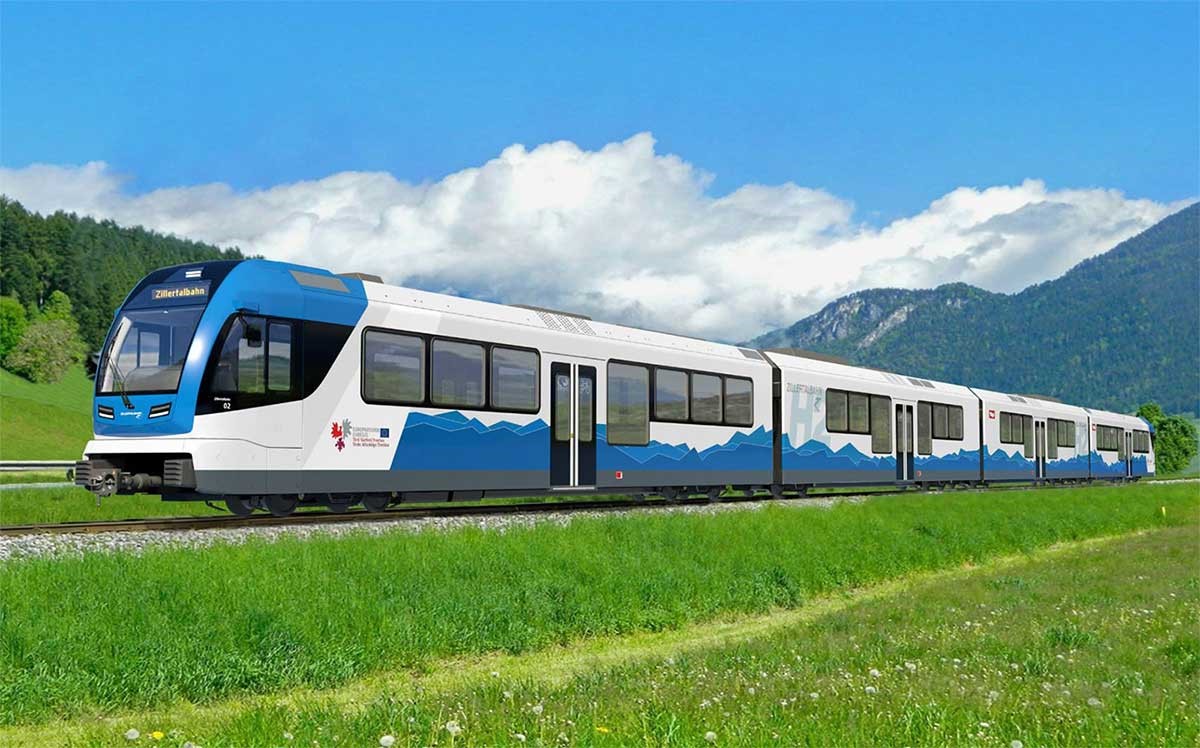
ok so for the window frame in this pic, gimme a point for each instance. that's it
(490, 377)
(871, 398)
(1015, 418)
(237, 400)
(691, 416)
(427, 345)
(687, 394)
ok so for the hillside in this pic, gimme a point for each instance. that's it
(96, 263)
(1116, 330)
(45, 421)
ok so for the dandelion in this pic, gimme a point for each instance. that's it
(910, 667)
(132, 734)
(288, 736)
(189, 744)
(508, 695)
(1094, 702)
(602, 729)
(157, 735)
(387, 741)
(814, 695)
(1016, 744)
(873, 673)
(538, 709)
(870, 689)
(519, 737)
(453, 728)
(750, 690)
(495, 674)
(710, 737)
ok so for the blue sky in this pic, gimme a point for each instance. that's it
(887, 106)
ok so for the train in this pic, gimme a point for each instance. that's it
(269, 385)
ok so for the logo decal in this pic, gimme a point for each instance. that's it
(344, 434)
(991, 415)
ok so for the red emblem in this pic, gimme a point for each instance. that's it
(620, 475)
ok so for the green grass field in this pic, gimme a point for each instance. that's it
(92, 635)
(45, 421)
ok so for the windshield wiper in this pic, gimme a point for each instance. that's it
(118, 377)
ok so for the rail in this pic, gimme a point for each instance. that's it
(10, 466)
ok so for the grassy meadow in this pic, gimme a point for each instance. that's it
(80, 637)
(45, 421)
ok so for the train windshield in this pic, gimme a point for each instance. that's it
(147, 350)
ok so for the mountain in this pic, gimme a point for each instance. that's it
(1116, 330)
(96, 263)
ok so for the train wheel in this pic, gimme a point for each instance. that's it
(714, 492)
(239, 505)
(340, 504)
(376, 502)
(281, 505)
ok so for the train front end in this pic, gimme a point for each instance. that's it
(147, 380)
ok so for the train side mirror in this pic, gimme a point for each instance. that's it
(254, 335)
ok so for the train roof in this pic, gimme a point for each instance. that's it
(921, 387)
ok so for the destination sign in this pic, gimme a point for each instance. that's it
(171, 294)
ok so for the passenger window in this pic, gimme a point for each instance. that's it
(1027, 434)
(279, 357)
(859, 414)
(835, 411)
(941, 421)
(1005, 428)
(456, 374)
(1051, 439)
(881, 424)
(628, 404)
(956, 423)
(706, 398)
(670, 395)
(240, 367)
(514, 379)
(393, 367)
(739, 402)
(924, 429)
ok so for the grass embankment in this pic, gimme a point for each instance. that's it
(52, 505)
(113, 631)
(45, 421)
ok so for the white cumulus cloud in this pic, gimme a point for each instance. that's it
(623, 233)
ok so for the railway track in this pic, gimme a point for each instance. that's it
(444, 510)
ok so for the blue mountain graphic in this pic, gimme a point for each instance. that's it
(451, 441)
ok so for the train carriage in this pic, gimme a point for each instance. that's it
(271, 385)
(845, 425)
(1032, 438)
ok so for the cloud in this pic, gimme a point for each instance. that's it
(623, 233)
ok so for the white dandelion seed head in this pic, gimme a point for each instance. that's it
(508, 695)
(288, 736)
(910, 666)
(870, 689)
(387, 741)
(1094, 702)
(495, 674)
(538, 709)
(132, 734)
(710, 737)
(519, 737)
(814, 695)
(453, 727)
(189, 744)
(1016, 744)
(750, 690)
(873, 673)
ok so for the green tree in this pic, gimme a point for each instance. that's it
(45, 351)
(12, 324)
(1175, 439)
(58, 306)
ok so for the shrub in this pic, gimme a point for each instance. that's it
(12, 324)
(45, 351)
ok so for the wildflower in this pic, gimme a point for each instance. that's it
(710, 737)
(538, 709)
(495, 674)
(814, 695)
(508, 695)
(750, 690)
(1094, 702)
(189, 744)
(870, 689)
(1016, 744)
(132, 734)
(602, 729)
(387, 741)
(288, 736)
(519, 737)
(911, 667)
(157, 735)
(873, 673)
(453, 728)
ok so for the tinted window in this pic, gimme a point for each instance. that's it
(956, 422)
(279, 357)
(706, 398)
(1051, 433)
(456, 374)
(562, 407)
(1006, 428)
(941, 421)
(670, 395)
(514, 379)
(835, 411)
(859, 414)
(242, 364)
(1027, 434)
(587, 398)
(628, 404)
(393, 367)
(924, 428)
(739, 402)
(881, 424)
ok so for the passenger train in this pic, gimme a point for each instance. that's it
(271, 385)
